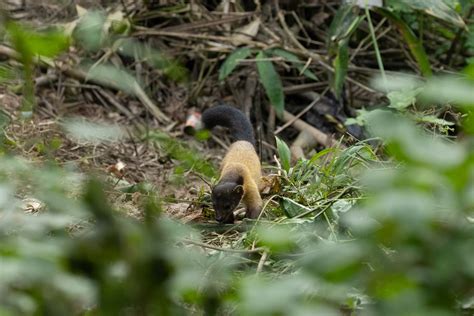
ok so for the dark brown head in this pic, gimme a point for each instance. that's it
(226, 197)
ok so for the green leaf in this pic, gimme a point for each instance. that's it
(283, 153)
(344, 24)
(159, 60)
(415, 45)
(436, 8)
(48, 44)
(400, 100)
(112, 76)
(341, 64)
(233, 61)
(295, 60)
(397, 6)
(336, 261)
(29, 42)
(89, 32)
(271, 82)
(93, 132)
(276, 237)
(292, 208)
(431, 119)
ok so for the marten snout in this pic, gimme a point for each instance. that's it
(225, 199)
(225, 217)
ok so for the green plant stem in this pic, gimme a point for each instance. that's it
(376, 46)
(414, 44)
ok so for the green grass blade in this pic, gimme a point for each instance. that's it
(376, 46)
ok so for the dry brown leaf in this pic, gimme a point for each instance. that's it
(270, 184)
(246, 33)
(117, 169)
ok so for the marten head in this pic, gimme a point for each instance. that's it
(226, 197)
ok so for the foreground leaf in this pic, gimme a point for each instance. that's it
(401, 100)
(29, 42)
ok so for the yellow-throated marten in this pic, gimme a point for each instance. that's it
(240, 172)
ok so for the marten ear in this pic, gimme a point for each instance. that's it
(240, 180)
(239, 190)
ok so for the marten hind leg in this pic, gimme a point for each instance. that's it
(253, 201)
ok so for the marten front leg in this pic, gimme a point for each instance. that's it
(253, 202)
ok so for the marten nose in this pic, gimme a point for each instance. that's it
(222, 217)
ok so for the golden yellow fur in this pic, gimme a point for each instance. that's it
(242, 159)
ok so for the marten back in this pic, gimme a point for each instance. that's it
(232, 118)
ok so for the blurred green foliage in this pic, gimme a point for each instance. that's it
(360, 235)
(403, 247)
(31, 44)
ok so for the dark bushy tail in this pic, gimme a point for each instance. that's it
(232, 118)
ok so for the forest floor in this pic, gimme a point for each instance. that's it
(136, 165)
(125, 164)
